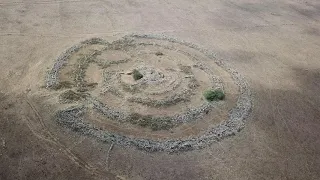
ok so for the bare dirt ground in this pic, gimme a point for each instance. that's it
(275, 45)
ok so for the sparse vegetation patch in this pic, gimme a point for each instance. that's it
(70, 96)
(154, 123)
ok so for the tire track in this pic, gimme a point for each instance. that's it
(45, 135)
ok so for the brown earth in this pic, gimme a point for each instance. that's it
(274, 44)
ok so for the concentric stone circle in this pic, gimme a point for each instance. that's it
(117, 84)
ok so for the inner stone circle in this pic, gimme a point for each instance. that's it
(164, 110)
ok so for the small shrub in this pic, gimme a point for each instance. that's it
(136, 75)
(159, 53)
(214, 95)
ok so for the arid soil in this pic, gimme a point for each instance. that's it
(274, 45)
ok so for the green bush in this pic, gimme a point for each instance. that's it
(214, 95)
(136, 75)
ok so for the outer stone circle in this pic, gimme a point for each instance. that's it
(73, 117)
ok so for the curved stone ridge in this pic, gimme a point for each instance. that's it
(52, 76)
(73, 117)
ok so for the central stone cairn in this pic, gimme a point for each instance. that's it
(151, 82)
